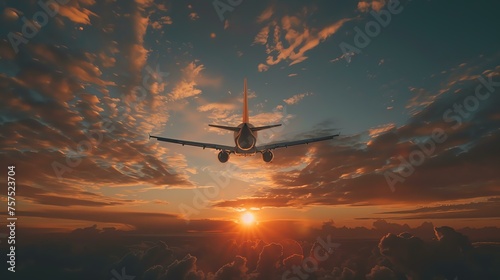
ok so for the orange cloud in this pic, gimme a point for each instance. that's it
(376, 5)
(376, 131)
(291, 37)
(76, 13)
(296, 98)
(187, 86)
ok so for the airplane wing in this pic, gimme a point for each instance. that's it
(196, 144)
(294, 143)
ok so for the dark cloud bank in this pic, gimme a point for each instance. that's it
(399, 252)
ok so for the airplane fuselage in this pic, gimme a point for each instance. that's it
(245, 139)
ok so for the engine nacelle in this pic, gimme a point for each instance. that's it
(246, 143)
(267, 156)
(223, 156)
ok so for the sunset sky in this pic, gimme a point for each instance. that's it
(80, 95)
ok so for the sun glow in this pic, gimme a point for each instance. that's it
(248, 219)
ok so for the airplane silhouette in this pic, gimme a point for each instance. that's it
(245, 138)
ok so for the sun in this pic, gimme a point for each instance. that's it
(248, 219)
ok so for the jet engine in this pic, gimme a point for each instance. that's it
(223, 156)
(267, 156)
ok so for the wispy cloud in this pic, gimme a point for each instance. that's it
(165, 20)
(262, 67)
(186, 87)
(266, 14)
(76, 12)
(367, 5)
(194, 16)
(376, 131)
(289, 37)
(296, 98)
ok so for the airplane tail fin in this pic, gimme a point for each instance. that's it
(245, 102)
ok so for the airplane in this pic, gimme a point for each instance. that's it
(245, 138)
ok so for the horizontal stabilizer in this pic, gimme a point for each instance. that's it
(264, 127)
(232, 128)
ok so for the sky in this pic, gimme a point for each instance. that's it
(411, 87)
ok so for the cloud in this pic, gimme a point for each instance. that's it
(407, 253)
(381, 129)
(448, 235)
(164, 20)
(291, 247)
(75, 12)
(237, 269)
(347, 56)
(216, 106)
(133, 222)
(187, 86)
(483, 209)
(150, 262)
(345, 273)
(269, 260)
(381, 273)
(219, 111)
(184, 269)
(261, 37)
(266, 14)
(262, 67)
(289, 37)
(58, 104)
(293, 260)
(10, 14)
(296, 98)
(449, 256)
(106, 61)
(247, 203)
(420, 99)
(6, 51)
(124, 33)
(97, 252)
(58, 200)
(193, 16)
(376, 5)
